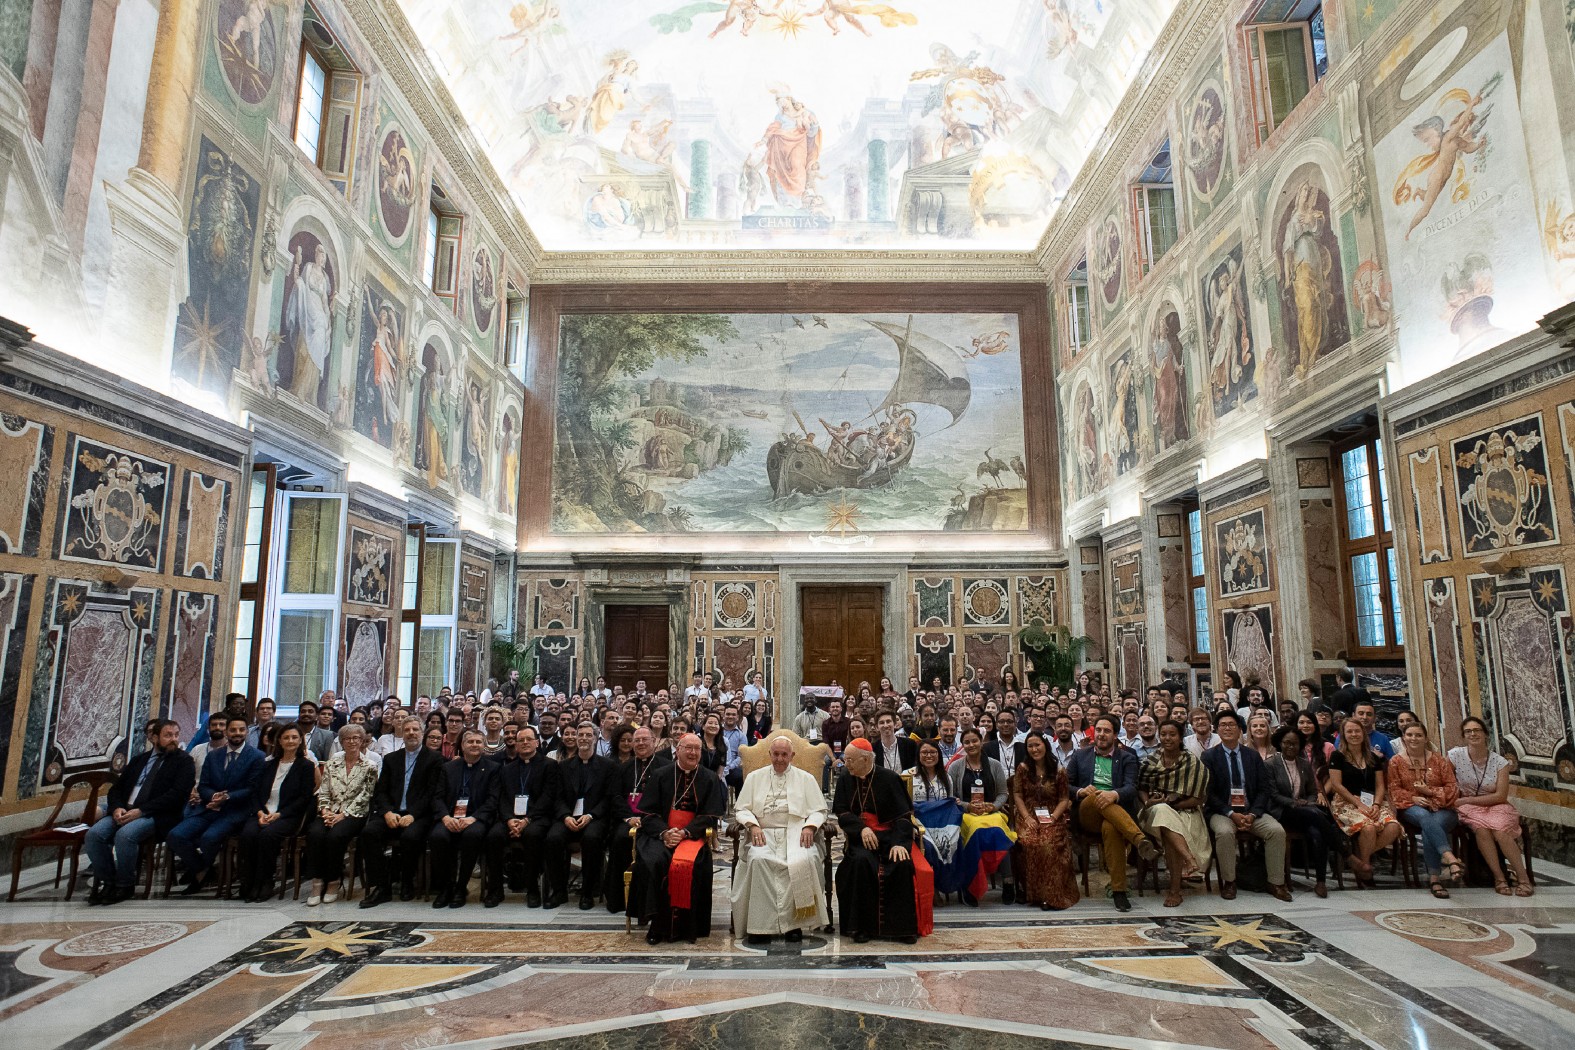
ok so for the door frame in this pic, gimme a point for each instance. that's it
(676, 597)
(893, 581)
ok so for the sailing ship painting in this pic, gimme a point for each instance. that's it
(783, 422)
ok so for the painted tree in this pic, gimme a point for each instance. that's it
(598, 354)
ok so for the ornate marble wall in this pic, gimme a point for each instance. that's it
(1490, 459)
(117, 564)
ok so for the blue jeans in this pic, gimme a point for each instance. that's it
(197, 840)
(115, 851)
(1435, 826)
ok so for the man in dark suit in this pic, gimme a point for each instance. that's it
(527, 809)
(585, 815)
(142, 807)
(1346, 695)
(401, 815)
(463, 808)
(1104, 780)
(1238, 804)
(224, 799)
(893, 750)
(633, 778)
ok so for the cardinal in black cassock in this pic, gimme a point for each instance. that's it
(875, 881)
(672, 884)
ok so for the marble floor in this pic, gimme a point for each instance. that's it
(1387, 968)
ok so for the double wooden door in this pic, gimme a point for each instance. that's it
(636, 646)
(843, 635)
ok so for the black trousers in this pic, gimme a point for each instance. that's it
(407, 844)
(324, 857)
(530, 847)
(257, 850)
(593, 851)
(454, 855)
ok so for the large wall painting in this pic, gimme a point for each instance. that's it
(1312, 282)
(1455, 190)
(1249, 644)
(307, 321)
(381, 367)
(1171, 397)
(840, 423)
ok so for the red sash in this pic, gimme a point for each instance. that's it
(680, 875)
(923, 879)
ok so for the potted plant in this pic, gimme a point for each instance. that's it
(1054, 652)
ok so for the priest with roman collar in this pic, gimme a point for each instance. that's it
(875, 881)
(678, 805)
(779, 892)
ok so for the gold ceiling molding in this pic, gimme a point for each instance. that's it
(754, 265)
(1168, 62)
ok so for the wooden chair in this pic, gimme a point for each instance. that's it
(49, 836)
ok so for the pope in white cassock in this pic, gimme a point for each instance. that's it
(779, 891)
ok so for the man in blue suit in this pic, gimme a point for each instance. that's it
(1104, 780)
(1238, 804)
(224, 798)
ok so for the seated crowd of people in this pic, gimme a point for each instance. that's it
(934, 790)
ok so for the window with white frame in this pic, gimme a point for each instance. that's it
(300, 649)
(439, 607)
(1078, 332)
(1287, 54)
(1197, 586)
(514, 331)
(1154, 209)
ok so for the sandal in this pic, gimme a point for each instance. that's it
(1502, 889)
(1524, 890)
(1457, 872)
(1438, 890)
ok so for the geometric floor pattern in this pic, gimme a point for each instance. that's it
(1390, 969)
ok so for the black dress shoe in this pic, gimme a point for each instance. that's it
(407, 891)
(532, 899)
(1122, 901)
(118, 894)
(458, 899)
(860, 937)
(587, 903)
(377, 896)
(652, 938)
(557, 900)
(909, 939)
(96, 894)
(443, 899)
(194, 885)
(1008, 893)
(492, 899)
(758, 938)
(794, 936)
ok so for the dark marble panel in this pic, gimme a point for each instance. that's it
(14, 982)
(1553, 961)
(790, 1025)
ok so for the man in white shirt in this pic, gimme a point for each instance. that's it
(541, 689)
(894, 751)
(1203, 736)
(807, 722)
(697, 689)
(756, 689)
(1064, 746)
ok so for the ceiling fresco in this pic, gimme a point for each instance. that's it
(659, 124)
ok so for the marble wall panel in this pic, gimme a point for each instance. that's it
(988, 654)
(16, 592)
(1126, 584)
(932, 601)
(474, 584)
(736, 657)
(986, 603)
(203, 532)
(1427, 504)
(1175, 582)
(369, 572)
(1038, 601)
(1501, 487)
(115, 506)
(26, 447)
(933, 655)
(1450, 698)
(194, 625)
(1325, 602)
(100, 648)
(1131, 656)
(1249, 644)
(1094, 613)
(1241, 550)
(470, 661)
(733, 625)
(364, 670)
(1524, 625)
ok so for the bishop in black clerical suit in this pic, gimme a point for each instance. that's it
(680, 803)
(875, 888)
(633, 776)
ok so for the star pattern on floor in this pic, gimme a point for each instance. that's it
(1225, 933)
(316, 941)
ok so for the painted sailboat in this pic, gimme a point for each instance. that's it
(869, 456)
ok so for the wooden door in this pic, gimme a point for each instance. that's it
(636, 646)
(843, 635)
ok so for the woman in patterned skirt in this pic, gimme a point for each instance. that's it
(1043, 801)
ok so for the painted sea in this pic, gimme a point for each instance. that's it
(694, 434)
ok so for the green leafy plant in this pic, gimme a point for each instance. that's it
(1054, 651)
(509, 655)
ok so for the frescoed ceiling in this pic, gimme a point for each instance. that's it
(659, 124)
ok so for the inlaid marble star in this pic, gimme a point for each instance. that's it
(70, 602)
(1485, 594)
(1547, 590)
(1226, 932)
(139, 610)
(315, 941)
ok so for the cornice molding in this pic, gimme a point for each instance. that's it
(744, 265)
